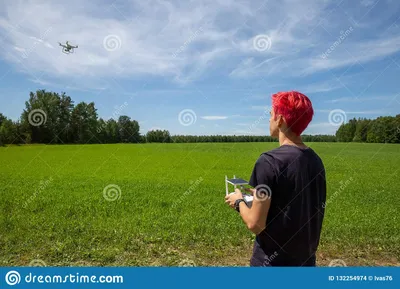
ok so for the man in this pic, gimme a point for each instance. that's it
(289, 190)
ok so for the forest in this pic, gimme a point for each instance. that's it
(53, 118)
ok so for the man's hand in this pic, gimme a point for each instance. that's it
(251, 191)
(231, 198)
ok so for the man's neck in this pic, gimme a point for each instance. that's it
(292, 139)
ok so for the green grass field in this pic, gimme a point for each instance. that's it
(171, 210)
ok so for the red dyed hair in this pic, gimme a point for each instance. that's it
(295, 107)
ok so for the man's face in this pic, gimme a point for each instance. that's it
(273, 124)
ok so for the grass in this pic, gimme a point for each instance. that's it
(171, 209)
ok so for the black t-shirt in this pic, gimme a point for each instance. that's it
(296, 178)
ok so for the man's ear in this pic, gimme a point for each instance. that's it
(280, 121)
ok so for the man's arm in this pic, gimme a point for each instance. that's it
(263, 178)
(255, 217)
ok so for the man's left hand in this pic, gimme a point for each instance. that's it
(231, 198)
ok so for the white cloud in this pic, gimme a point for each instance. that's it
(251, 131)
(156, 128)
(359, 99)
(367, 2)
(261, 107)
(42, 82)
(355, 52)
(183, 41)
(19, 49)
(212, 117)
(354, 112)
(321, 87)
(321, 128)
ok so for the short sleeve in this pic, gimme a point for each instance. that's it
(263, 172)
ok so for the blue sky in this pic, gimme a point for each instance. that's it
(205, 67)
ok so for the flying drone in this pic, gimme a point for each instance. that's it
(67, 48)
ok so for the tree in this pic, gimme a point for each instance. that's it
(84, 123)
(361, 132)
(101, 131)
(39, 119)
(135, 131)
(128, 129)
(2, 118)
(8, 132)
(382, 130)
(46, 117)
(158, 136)
(64, 109)
(112, 131)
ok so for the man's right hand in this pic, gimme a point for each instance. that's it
(251, 191)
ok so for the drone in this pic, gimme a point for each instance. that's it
(67, 48)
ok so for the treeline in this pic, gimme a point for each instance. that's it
(53, 118)
(385, 129)
(164, 136)
(50, 117)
